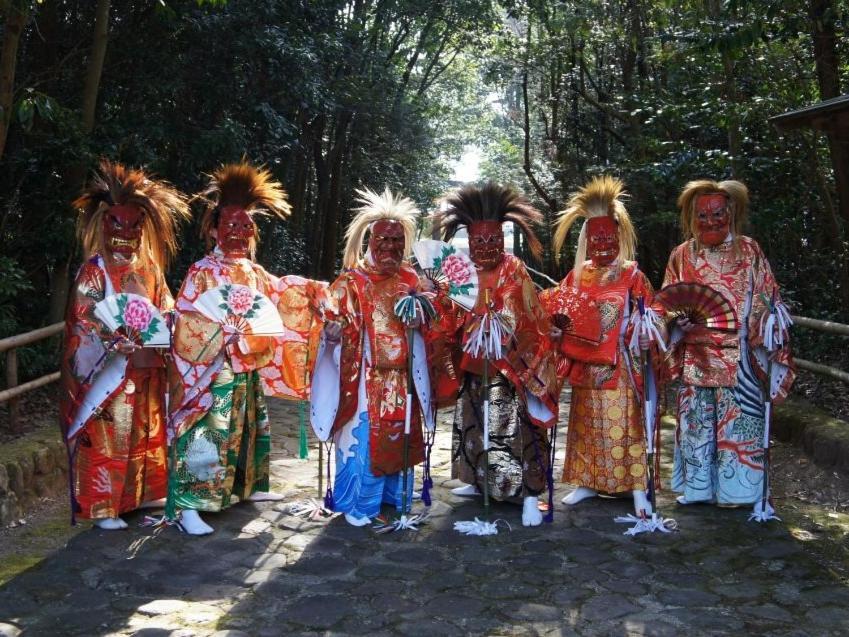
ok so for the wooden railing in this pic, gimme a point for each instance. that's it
(829, 327)
(13, 390)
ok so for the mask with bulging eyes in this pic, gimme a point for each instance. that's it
(602, 240)
(486, 244)
(122, 227)
(386, 245)
(234, 231)
(713, 218)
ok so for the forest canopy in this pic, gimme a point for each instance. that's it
(334, 95)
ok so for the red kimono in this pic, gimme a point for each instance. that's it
(119, 455)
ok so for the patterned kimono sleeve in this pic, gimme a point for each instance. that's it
(779, 364)
(535, 358)
(86, 339)
(301, 303)
(196, 343)
(563, 364)
(443, 342)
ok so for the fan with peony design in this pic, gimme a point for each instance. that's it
(135, 317)
(241, 308)
(451, 270)
(701, 304)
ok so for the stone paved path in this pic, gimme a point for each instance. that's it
(264, 572)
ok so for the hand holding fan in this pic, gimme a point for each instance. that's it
(451, 270)
(241, 309)
(576, 313)
(700, 304)
(138, 318)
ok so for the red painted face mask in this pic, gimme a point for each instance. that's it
(386, 246)
(122, 227)
(235, 230)
(713, 219)
(486, 244)
(602, 240)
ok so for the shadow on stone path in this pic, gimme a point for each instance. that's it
(265, 572)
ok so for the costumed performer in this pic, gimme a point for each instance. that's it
(605, 445)
(360, 393)
(219, 432)
(113, 391)
(521, 382)
(719, 435)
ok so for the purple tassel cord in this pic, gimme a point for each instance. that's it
(329, 504)
(427, 481)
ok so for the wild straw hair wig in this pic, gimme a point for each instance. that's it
(492, 202)
(376, 207)
(162, 205)
(738, 204)
(602, 196)
(245, 185)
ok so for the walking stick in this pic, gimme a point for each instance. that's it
(486, 438)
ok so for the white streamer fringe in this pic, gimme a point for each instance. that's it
(480, 527)
(647, 524)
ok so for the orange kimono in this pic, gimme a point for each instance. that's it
(605, 444)
(118, 457)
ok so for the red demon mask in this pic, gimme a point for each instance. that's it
(386, 245)
(486, 244)
(602, 240)
(235, 230)
(713, 219)
(122, 227)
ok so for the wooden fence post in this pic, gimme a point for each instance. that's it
(12, 381)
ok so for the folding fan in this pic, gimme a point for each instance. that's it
(576, 313)
(241, 307)
(451, 270)
(699, 303)
(140, 320)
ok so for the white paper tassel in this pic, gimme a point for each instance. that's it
(404, 523)
(647, 524)
(487, 337)
(480, 527)
(310, 509)
(646, 324)
(761, 514)
(775, 327)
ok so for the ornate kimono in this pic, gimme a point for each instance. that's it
(118, 456)
(522, 387)
(719, 434)
(219, 428)
(605, 445)
(359, 393)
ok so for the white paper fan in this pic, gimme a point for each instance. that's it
(140, 320)
(451, 269)
(241, 307)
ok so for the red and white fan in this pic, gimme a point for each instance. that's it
(701, 304)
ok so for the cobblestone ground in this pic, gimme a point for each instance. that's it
(265, 572)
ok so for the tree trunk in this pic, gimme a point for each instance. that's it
(15, 20)
(822, 14)
(95, 64)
